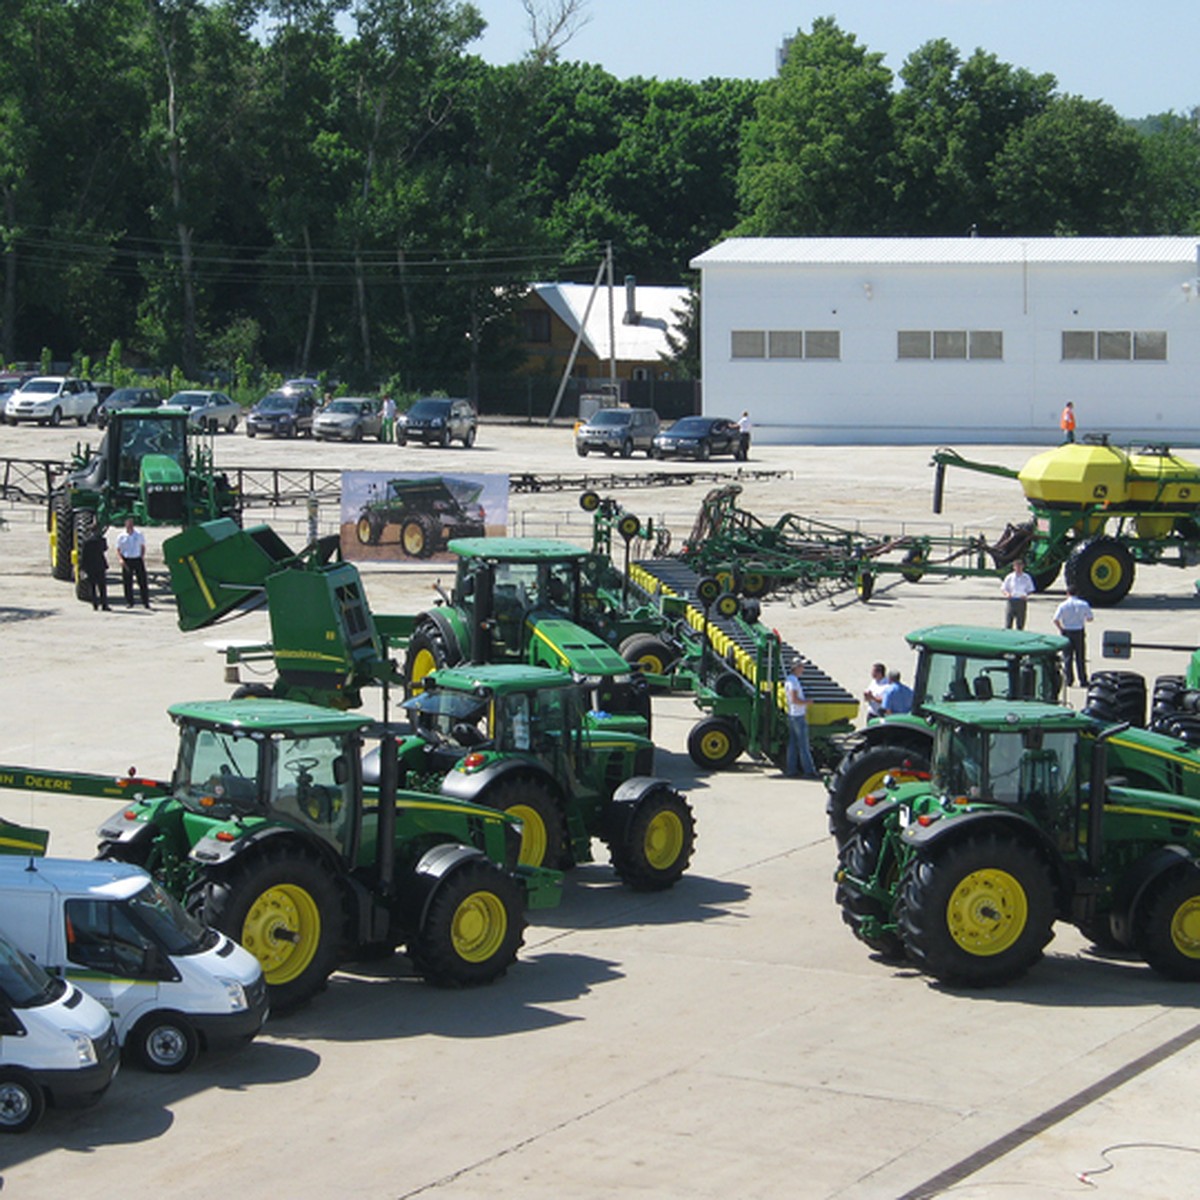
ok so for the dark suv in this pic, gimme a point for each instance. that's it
(618, 431)
(439, 421)
(282, 414)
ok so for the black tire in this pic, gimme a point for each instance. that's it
(444, 438)
(469, 438)
(544, 841)
(429, 649)
(703, 451)
(1101, 571)
(1117, 696)
(1167, 925)
(861, 772)
(1044, 579)
(859, 857)
(654, 849)
(84, 524)
(369, 528)
(913, 567)
(627, 448)
(649, 652)
(715, 743)
(418, 536)
(252, 691)
(231, 425)
(62, 537)
(1166, 697)
(864, 585)
(474, 924)
(164, 1042)
(280, 889)
(56, 417)
(357, 435)
(82, 420)
(22, 1101)
(978, 912)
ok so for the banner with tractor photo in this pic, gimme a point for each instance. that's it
(413, 516)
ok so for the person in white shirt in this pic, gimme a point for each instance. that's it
(1016, 589)
(873, 696)
(131, 550)
(799, 753)
(744, 430)
(1070, 619)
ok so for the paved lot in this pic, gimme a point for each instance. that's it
(727, 1038)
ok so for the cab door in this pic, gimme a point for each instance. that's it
(110, 958)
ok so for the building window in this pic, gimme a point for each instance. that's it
(786, 344)
(535, 325)
(1114, 345)
(950, 344)
(748, 343)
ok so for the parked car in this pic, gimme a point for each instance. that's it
(349, 419)
(47, 399)
(305, 384)
(282, 414)
(126, 397)
(438, 421)
(699, 438)
(208, 411)
(618, 431)
(9, 382)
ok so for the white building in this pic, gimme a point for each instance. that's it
(914, 340)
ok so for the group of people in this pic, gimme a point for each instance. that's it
(131, 550)
(1070, 619)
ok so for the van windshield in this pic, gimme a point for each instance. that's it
(175, 930)
(23, 982)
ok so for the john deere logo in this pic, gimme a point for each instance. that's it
(1100, 491)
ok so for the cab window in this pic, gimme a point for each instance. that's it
(101, 936)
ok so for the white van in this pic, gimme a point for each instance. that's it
(57, 1045)
(171, 985)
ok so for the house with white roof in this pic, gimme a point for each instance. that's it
(915, 340)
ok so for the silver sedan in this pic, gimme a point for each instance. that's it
(208, 411)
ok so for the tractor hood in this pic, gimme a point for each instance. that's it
(556, 642)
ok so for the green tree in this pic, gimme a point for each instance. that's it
(1171, 152)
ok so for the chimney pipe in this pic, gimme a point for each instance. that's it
(632, 316)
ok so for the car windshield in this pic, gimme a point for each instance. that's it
(611, 416)
(188, 400)
(45, 386)
(429, 408)
(345, 406)
(123, 396)
(277, 402)
(690, 427)
(166, 921)
(23, 982)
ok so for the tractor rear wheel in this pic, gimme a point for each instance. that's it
(1117, 696)
(649, 652)
(22, 1101)
(473, 927)
(429, 649)
(653, 851)
(859, 857)
(544, 825)
(62, 537)
(283, 906)
(862, 772)
(1167, 926)
(978, 912)
(715, 743)
(1101, 571)
(418, 536)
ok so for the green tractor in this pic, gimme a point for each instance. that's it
(267, 833)
(1022, 822)
(520, 739)
(147, 467)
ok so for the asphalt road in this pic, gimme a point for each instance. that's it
(728, 1038)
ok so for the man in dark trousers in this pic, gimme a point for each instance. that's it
(131, 549)
(95, 568)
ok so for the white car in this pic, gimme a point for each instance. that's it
(48, 399)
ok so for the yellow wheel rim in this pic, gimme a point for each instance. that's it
(715, 745)
(754, 584)
(364, 531)
(874, 783)
(534, 839)
(664, 840)
(423, 664)
(651, 662)
(282, 930)
(987, 912)
(479, 927)
(1185, 928)
(54, 539)
(414, 539)
(1106, 572)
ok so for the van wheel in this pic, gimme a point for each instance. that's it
(22, 1102)
(164, 1042)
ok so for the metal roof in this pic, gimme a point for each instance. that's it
(643, 342)
(780, 251)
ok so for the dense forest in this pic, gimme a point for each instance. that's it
(343, 185)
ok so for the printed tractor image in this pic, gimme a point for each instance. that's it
(519, 739)
(1096, 512)
(147, 467)
(266, 832)
(1022, 822)
(428, 512)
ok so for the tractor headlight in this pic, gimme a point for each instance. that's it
(85, 1049)
(236, 993)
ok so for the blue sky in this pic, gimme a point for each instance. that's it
(1140, 58)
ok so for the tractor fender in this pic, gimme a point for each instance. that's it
(470, 785)
(1132, 886)
(619, 810)
(862, 815)
(901, 730)
(210, 852)
(451, 626)
(435, 865)
(124, 829)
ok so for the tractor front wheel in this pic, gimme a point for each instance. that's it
(284, 907)
(715, 743)
(85, 526)
(867, 916)
(656, 846)
(1167, 927)
(862, 772)
(369, 529)
(62, 535)
(978, 912)
(473, 927)
(428, 651)
(543, 823)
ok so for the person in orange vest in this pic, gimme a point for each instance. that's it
(1067, 422)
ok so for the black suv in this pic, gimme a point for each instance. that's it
(437, 420)
(282, 414)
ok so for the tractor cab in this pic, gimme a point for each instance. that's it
(962, 662)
